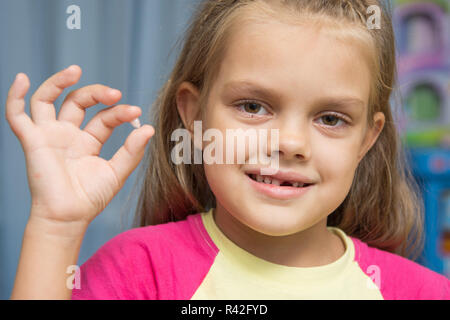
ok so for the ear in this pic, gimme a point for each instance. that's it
(187, 98)
(372, 134)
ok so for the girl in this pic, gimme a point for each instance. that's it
(337, 221)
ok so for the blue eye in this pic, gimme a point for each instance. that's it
(252, 108)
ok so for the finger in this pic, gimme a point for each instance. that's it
(18, 120)
(103, 123)
(130, 154)
(41, 103)
(75, 104)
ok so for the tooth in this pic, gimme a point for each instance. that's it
(276, 182)
(295, 184)
(267, 180)
(259, 178)
(300, 184)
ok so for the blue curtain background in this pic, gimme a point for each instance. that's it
(128, 45)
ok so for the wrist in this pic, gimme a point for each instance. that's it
(48, 249)
(70, 230)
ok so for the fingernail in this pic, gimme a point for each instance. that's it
(113, 91)
(135, 108)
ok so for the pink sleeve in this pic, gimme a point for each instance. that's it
(167, 262)
(115, 272)
(400, 278)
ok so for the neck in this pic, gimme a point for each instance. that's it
(314, 246)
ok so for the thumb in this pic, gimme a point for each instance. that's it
(127, 158)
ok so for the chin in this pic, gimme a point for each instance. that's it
(273, 221)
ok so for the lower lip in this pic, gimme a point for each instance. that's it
(279, 192)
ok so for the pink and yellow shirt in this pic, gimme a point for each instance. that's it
(192, 259)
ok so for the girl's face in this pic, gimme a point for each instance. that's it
(314, 89)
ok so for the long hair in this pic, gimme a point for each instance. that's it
(383, 207)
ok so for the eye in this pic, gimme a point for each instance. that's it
(331, 119)
(252, 108)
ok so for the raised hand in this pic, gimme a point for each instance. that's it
(69, 182)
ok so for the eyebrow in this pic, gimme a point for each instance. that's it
(249, 87)
(266, 93)
(340, 102)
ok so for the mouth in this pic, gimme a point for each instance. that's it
(278, 189)
(276, 182)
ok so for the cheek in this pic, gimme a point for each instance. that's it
(336, 162)
(213, 176)
(336, 166)
(214, 114)
(224, 184)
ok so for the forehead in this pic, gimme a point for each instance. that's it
(299, 60)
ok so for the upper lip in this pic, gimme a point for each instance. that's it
(283, 175)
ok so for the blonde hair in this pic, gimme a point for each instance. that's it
(383, 207)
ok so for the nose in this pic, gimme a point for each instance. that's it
(293, 141)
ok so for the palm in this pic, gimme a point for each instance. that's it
(64, 161)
